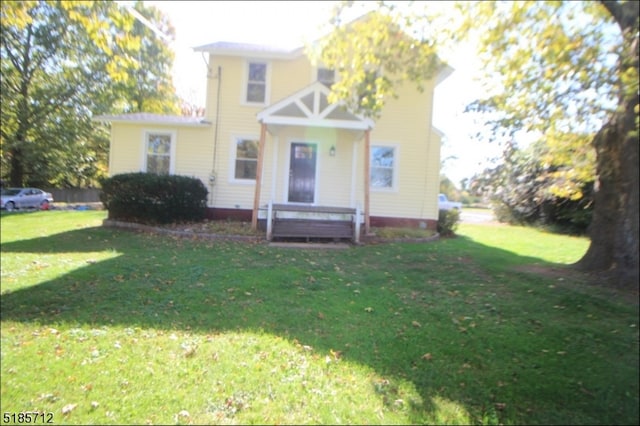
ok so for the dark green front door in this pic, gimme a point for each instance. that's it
(302, 173)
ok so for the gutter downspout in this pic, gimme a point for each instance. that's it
(212, 176)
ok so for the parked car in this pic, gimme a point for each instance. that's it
(445, 204)
(24, 198)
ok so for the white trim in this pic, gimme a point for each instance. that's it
(244, 49)
(152, 121)
(318, 122)
(396, 165)
(354, 170)
(315, 118)
(173, 140)
(438, 132)
(245, 83)
(233, 152)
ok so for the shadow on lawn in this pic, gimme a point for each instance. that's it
(322, 299)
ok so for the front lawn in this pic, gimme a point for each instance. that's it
(107, 326)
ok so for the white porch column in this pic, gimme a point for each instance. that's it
(367, 181)
(270, 220)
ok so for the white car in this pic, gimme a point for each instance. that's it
(24, 198)
(445, 204)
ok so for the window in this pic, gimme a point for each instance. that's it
(257, 83)
(326, 76)
(158, 149)
(383, 167)
(246, 162)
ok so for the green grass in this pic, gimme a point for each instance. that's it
(105, 326)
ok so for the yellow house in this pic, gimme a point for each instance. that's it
(271, 146)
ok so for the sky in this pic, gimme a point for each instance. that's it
(290, 24)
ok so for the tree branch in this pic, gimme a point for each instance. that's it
(625, 14)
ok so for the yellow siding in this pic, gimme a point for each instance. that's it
(193, 153)
(125, 153)
(238, 119)
(405, 123)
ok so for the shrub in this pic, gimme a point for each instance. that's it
(154, 199)
(448, 221)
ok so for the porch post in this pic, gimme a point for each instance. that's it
(367, 181)
(256, 196)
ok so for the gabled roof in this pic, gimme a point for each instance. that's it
(148, 118)
(245, 49)
(310, 107)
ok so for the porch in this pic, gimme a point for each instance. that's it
(317, 222)
(313, 158)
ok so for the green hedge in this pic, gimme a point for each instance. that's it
(154, 199)
(448, 222)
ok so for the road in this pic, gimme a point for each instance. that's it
(476, 216)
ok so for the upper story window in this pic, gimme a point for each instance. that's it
(246, 161)
(326, 76)
(383, 167)
(257, 83)
(159, 153)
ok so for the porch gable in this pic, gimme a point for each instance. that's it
(310, 107)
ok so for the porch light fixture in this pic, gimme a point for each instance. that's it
(332, 151)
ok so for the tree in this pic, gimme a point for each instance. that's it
(373, 56)
(563, 68)
(150, 89)
(63, 62)
(570, 69)
(523, 190)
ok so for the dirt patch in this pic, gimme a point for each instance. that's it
(553, 271)
(568, 276)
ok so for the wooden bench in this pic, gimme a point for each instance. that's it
(308, 227)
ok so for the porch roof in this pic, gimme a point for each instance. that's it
(148, 118)
(310, 107)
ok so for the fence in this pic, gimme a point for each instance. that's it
(74, 195)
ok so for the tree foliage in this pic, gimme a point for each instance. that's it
(567, 70)
(522, 190)
(150, 87)
(373, 56)
(61, 63)
(552, 65)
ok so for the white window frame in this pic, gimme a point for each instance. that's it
(172, 149)
(245, 82)
(234, 156)
(394, 172)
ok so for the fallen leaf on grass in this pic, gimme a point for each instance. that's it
(68, 408)
(336, 354)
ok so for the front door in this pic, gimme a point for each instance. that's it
(302, 173)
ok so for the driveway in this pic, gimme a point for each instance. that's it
(476, 216)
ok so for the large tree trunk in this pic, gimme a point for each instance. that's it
(16, 174)
(614, 225)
